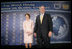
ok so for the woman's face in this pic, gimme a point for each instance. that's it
(27, 17)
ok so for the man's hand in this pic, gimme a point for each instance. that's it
(50, 34)
(35, 35)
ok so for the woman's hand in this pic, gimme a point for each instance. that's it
(30, 34)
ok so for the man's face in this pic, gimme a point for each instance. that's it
(42, 9)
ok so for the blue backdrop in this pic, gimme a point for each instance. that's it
(13, 15)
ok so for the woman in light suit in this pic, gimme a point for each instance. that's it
(28, 31)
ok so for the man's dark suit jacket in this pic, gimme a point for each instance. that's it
(46, 25)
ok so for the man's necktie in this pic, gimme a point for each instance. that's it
(41, 18)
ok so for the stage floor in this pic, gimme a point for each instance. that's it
(60, 45)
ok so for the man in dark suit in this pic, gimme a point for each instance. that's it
(43, 28)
